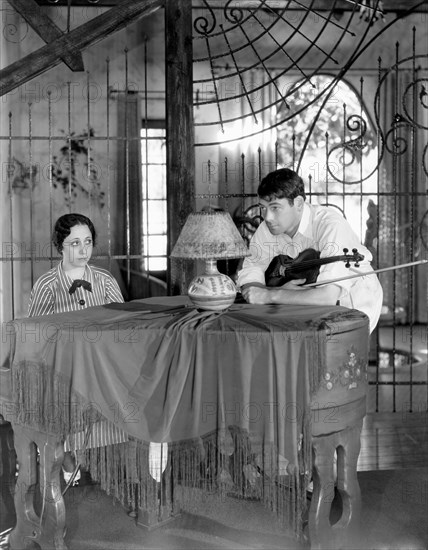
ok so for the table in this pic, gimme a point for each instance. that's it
(252, 401)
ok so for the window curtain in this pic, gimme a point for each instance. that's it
(129, 220)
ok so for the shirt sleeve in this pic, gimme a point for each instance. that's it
(333, 234)
(113, 293)
(263, 248)
(42, 300)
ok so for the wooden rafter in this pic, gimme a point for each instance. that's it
(317, 5)
(46, 29)
(76, 40)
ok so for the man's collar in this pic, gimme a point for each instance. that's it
(304, 227)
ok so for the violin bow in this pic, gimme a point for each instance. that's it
(363, 274)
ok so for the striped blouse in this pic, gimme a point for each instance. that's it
(50, 293)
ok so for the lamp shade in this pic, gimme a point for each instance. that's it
(209, 235)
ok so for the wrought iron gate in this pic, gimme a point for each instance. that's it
(258, 72)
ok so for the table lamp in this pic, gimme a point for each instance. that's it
(210, 236)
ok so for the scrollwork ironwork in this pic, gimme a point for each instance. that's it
(425, 159)
(202, 25)
(422, 96)
(233, 14)
(248, 39)
(15, 28)
(350, 151)
(357, 123)
(423, 230)
(394, 143)
(391, 140)
(248, 221)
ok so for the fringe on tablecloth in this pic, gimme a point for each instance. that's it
(213, 465)
(228, 462)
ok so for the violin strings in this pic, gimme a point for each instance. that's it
(315, 263)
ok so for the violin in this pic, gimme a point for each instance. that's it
(307, 265)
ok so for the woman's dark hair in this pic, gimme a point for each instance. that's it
(63, 227)
(282, 184)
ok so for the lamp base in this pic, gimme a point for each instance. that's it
(212, 290)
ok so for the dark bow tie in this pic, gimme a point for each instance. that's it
(80, 282)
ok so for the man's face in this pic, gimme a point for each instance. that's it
(281, 216)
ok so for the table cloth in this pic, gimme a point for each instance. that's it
(229, 391)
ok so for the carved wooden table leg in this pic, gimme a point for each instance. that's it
(344, 533)
(347, 481)
(7, 475)
(43, 524)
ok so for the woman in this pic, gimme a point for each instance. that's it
(73, 284)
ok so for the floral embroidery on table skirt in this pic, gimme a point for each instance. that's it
(349, 374)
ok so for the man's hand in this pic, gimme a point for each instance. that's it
(294, 284)
(259, 294)
(255, 294)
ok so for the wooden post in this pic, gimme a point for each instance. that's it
(179, 133)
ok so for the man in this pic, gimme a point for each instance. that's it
(291, 226)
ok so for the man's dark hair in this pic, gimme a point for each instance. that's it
(63, 227)
(282, 184)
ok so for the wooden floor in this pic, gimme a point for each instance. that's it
(391, 441)
(396, 440)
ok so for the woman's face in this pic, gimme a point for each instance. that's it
(77, 247)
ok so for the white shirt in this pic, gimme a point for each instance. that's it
(326, 230)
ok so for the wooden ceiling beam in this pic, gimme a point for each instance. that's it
(36, 63)
(46, 29)
(318, 5)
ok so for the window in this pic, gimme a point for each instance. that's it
(153, 156)
(347, 180)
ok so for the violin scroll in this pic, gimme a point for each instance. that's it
(359, 257)
(356, 257)
(345, 252)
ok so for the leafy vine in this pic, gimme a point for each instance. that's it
(75, 171)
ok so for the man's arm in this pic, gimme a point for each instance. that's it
(255, 283)
(262, 249)
(291, 293)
